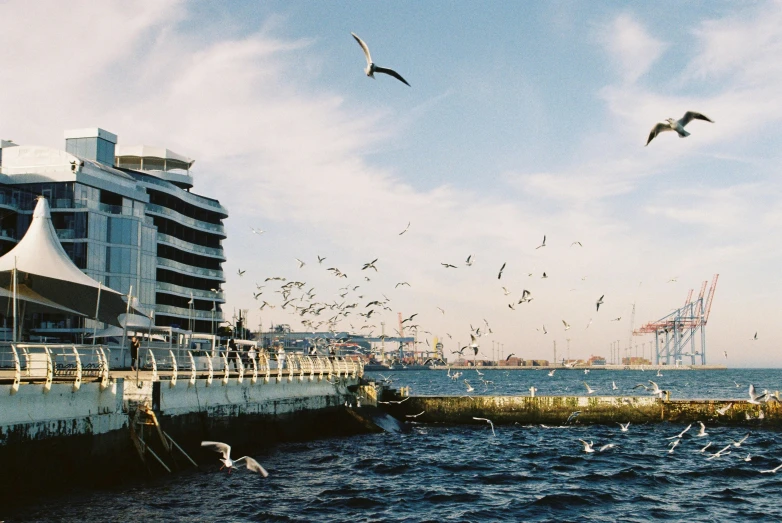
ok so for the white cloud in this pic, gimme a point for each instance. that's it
(287, 152)
(632, 49)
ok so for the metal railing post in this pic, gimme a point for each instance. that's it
(77, 382)
(174, 369)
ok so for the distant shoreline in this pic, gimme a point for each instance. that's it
(640, 368)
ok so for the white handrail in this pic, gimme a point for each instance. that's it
(17, 371)
(77, 381)
(174, 370)
(192, 369)
(151, 355)
(226, 371)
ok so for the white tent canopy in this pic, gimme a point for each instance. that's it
(44, 266)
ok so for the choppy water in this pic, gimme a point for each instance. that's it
(464, 473)
(709, 384)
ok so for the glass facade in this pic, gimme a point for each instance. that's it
(163, 256)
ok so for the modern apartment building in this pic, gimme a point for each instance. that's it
(126, 216)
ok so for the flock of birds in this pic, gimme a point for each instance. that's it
(335, 315)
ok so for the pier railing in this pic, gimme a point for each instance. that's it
(57, 362)
(47, 363)
(172, 364)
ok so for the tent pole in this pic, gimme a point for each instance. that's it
(14, 299)
(125, 327)
(97, 308)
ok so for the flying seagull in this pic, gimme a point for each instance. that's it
(469, 261)
(739, 442)
(587, 446)
(408, 223)
(724, 409)
(624, 427)
(567, 325)
(501, 269)
(257, 231)
(590, 390)
(372, 68)
(755, 337)
(772, 471)
(489, 422)
(301, 263)
(718, 454)
(229, 463)
(241, 272)
(576, 243)
(676, 125)
(599, 302)
(542, 244)
(414, 415)
(682, 433)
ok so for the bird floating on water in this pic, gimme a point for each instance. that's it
(372, 68)
(677, 125)
(228, 463)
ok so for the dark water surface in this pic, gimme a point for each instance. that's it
(464, 473)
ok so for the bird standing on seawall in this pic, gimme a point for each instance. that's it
(372, 68)
(677, 125)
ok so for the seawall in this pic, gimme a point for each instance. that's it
(59, 435)
(555, 410)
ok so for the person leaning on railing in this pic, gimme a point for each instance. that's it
(135, 345)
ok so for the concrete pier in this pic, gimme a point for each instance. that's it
(555, 410)
(81, 429)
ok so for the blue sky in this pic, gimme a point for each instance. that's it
(523, 119)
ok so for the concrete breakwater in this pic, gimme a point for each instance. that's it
(555, 410)
(56, 435)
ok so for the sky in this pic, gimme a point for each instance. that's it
(523, 119)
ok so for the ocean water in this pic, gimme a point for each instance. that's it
(683, 384)
(466, 473)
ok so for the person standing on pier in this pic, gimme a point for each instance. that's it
(233, 354)
(135, 345)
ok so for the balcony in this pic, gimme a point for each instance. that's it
(187, 291)
(183, 312)
(185, 196)
(183, 268)
(185, 220)
(190, 247)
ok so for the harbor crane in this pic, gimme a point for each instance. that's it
(675, 334)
